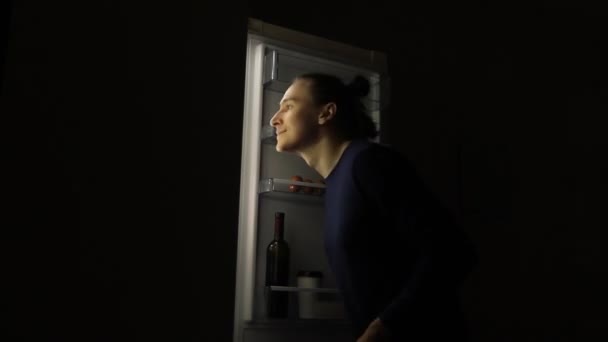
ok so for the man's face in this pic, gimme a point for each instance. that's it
(296, 120)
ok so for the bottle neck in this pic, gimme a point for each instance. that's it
(278, 228)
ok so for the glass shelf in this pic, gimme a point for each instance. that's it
(303, 289)
(299, 323)
(284, 189)
(316, 303)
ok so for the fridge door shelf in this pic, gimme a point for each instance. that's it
(284, 189)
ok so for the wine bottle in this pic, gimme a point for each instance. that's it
(277, 270)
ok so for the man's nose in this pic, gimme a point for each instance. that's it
(274, 119)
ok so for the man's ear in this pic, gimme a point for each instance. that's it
(328, 112)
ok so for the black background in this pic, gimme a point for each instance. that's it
(122, 125)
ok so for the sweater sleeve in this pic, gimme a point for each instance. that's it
(441, 255)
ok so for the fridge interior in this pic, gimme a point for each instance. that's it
(265, 180)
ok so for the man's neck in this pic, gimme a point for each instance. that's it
(323, 156)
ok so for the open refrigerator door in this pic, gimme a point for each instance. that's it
(281, 182)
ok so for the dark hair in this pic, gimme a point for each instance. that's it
(351, 117)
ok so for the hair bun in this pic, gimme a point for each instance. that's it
(359, 86)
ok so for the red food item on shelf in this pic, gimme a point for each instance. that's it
(320, 191)
(307, 189)
(293, 187)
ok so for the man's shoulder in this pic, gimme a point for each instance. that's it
(379, 154)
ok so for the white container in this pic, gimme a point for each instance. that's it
(307, 300)
(317, 305)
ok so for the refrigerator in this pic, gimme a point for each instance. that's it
(275, 55)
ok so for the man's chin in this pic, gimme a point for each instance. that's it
(282, 147)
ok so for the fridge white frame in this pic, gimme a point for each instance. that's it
(260, 35)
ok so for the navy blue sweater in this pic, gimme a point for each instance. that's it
(395, 251)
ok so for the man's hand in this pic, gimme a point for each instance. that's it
(375, 332)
